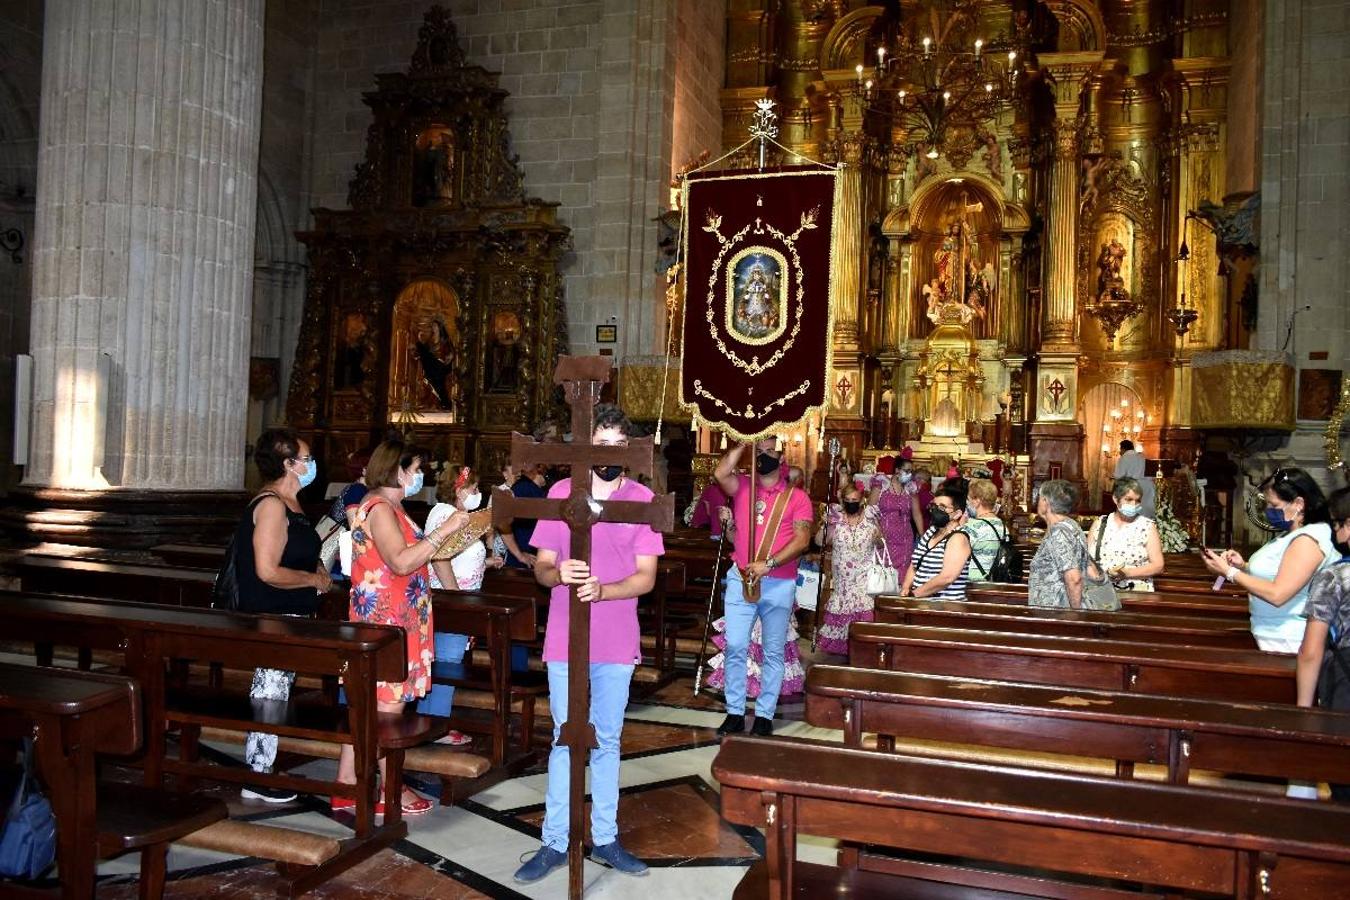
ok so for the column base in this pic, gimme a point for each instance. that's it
(119, 520)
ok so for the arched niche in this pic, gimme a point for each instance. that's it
(1101, 446)
(933, 210)
(424, 352)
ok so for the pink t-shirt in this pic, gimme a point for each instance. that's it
(614, 551)
(798, 510)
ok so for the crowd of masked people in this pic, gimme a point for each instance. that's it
(941, 539)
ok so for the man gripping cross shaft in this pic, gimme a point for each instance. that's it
(782, 520)
(623, 568)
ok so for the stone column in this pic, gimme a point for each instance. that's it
(143, 252)
(147, 168)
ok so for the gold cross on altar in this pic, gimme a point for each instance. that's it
(582, 377)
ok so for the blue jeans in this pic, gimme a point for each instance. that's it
(609, 699)
(774, 607)
(450, 647)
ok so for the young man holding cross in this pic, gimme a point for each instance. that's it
(624, 559)
(782, 520)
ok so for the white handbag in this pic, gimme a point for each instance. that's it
(881, 575)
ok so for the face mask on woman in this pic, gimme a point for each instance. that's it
(1275, 517)
(906, 477)
(306, 477)
(471, 501)
(941, 518)
(1129, 510)
(972, 512)
(414, 486)
(852, 507)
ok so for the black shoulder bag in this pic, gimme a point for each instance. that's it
(225, 590)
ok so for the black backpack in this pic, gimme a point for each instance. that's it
(1333, 684)
(1007, 565)
(225, 590)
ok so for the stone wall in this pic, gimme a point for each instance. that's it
(1305, 199)
(20, 90)
(594, 88)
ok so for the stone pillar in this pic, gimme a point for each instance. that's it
(143, 252)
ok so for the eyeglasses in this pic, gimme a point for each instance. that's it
(303, 459)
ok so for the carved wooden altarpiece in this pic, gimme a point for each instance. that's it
(435, 300)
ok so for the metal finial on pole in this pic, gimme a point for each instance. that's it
(763, 127)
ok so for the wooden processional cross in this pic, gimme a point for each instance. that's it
(582, 378)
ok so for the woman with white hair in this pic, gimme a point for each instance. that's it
(1056, 575)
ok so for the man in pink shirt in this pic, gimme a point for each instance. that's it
(777, 574)
(623, 568)
(708, 510)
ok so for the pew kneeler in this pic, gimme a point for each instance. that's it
(133, 817)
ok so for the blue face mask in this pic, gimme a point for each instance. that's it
(1276, 518)
(1129, 510)
(414, 486)
(307, 477)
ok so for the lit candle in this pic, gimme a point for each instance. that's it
(979, 45)
(902, 95)
(868, 85)
(927, 45)
(859, 71)
(881, 56)
(1012, 57)
(946, 95)
(988, 87)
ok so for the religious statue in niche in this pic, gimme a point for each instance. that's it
(1110, 282)
(758, 295)
(504, 354)
(350, 372)
(962, 288)
(434, 167)
(425, 350)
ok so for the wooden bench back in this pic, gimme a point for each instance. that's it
(1185, 671)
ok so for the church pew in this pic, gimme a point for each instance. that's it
(1026, 822)
(150, 636)
(1131, 601)
(1267, 739)
(495, 622)
(1214, 673)
(1197, 631)
(75, 716)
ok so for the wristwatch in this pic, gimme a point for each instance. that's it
(771, 563)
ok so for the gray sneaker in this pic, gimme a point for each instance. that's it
(616, 857)
(539, 865)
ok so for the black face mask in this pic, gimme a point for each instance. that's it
(607, 473)
(941, 518)
(766, 464)
(852, 507)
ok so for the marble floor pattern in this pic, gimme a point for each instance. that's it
(668, 816)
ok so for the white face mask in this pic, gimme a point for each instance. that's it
(906, 477)
(415, 485)
(471, 501)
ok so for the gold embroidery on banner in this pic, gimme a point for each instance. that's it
(750, 412)
(754, 366)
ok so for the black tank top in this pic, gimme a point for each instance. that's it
(301, 553)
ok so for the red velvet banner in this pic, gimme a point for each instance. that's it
(757, 306)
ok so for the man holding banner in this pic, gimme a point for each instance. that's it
(763, 582)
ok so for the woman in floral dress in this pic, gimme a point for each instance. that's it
(898, 514)
(390, 587)
(852, 532)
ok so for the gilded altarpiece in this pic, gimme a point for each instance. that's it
(434, 301)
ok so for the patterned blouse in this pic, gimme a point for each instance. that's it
(1329, 602)
(1062, 549)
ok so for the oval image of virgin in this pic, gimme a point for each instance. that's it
(757, 295)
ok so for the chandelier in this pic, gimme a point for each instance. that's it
(938, 74)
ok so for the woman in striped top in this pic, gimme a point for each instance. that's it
(942, 553)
